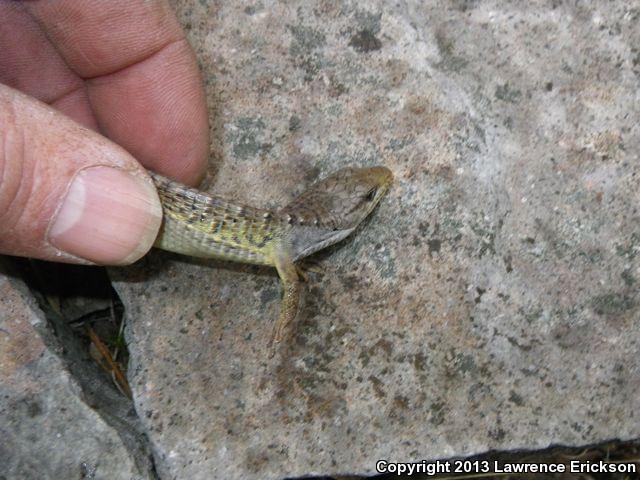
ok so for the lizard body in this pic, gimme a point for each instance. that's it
(204, 225)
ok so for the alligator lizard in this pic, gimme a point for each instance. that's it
(203, 225)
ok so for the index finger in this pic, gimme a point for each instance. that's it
(141, 77)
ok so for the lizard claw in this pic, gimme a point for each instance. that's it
(305, 266)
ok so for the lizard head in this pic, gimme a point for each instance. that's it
(332, 208)
(341, 200)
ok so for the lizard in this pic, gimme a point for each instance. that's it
(203, 225)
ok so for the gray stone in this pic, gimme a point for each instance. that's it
(491, 302)
(50, 426)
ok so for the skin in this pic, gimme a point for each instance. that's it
(93, 89)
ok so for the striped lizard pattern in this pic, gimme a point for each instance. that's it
(204, 225)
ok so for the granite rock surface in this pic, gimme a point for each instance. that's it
(491, 302)
(52, 426)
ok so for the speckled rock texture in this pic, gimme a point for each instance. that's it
(491, 302)
(49, 426)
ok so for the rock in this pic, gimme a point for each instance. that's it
(491, 302)
(51, 426)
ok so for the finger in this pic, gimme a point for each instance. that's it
(156, 111)
(66, 193)
(33, 66)
(142, 77)
(143, 85)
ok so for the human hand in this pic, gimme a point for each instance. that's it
(122, 68)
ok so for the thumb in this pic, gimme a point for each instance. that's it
(68, 194)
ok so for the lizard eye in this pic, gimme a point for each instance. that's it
(371, 194)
